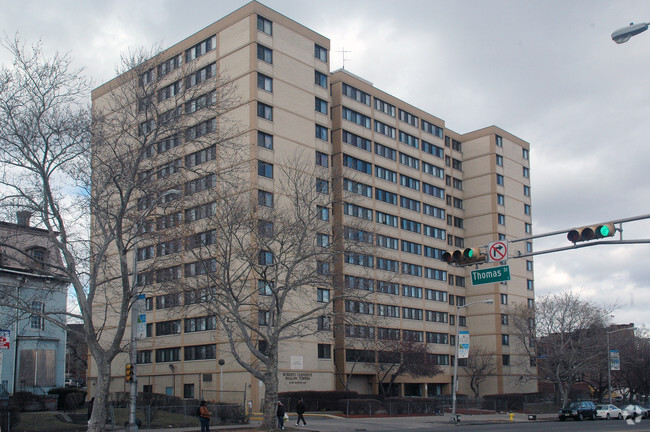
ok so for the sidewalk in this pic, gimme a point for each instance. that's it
(342, 421)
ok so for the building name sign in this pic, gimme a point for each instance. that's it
(296, 377)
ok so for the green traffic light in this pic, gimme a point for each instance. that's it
(470, 253)
(604, 231)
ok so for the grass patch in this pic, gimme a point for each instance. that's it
(44, 422)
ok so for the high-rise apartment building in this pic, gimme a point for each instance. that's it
(418, 188)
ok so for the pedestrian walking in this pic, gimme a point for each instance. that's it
(204, 417)
(280, 414)
(300, 409)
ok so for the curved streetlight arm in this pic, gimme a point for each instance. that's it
(624, 34)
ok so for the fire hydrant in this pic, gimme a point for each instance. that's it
(512, 416)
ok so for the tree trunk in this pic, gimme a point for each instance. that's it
(100, 405)
(269, 420)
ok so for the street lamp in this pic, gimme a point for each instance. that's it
(133, 351)
(609, 362)
(624, 34)
(455, 382)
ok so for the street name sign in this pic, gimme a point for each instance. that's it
(491, 275)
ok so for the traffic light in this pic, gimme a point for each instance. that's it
(128, 372)
(463, 256)
(591, 232)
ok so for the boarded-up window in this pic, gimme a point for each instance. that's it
(37, 368)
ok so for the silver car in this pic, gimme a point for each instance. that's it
(608, 412)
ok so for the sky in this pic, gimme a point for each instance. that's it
(546, 71)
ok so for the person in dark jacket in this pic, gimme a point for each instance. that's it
(280, 414)
(300, 409)
(204, 417)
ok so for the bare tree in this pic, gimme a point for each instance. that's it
(562, 334)
(46, 130)
(267, 270)
(480, 365)
(402, 356)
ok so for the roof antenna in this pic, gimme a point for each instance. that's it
(343, 51)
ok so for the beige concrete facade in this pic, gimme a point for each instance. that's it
(427, 189)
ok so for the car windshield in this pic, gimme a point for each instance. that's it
(571, 405)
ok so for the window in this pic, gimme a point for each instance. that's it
(188, 389)
(527, 209)
(356, 94)
(263, 317)
(265, 287)
(264, 25)
(169, 91)
(322, 132)
(387, 242)
(501, 219)
(410, 225)
(357, 188)
(201, 184)
(320, 53)
(264, 111)
(323, 268)
(499, 179)
(385, 107)
(323, 323)
(355, 117)
(164, 328)
(143, 357)
(505, 339)
(321, 106)
(357, 235)
(501, 200)
(409, 182)
(504, 319)
(384, 129)
(431, 273)
(201, 102)
(526, 190)
(322, 295)
(359, 307)
(504, 299)
(435, 316)
(264, 82)
(357, 141)
(201, 48)
(408, 118)
(264, 169)
(526, 172)
(385, 196)
(386, 219)
(524, 153)
(529, 265)
(265, 198)
(499, 160)
(531, 303)
(499, 140)
(324, 351)
(411, 291)
(388, 311)
(201, 75)
(505, 360)
(383, 151)
(357, 211)
(387, 264)
(322, 186)
(528, 228)
(322, 240)
(435, 295)
(432, 129)
(409, 139)
(357, 164)
(322, 159)
(168, 355)
(411, 269)
(201, 156)
(265, 258)
(36, 320)
(320, 79)
(409, 161)
(203, 323)
(175, 245)
(433, 170)
(200, 212)
(529, 284)
(433, 149)
(410, 204)
(264, 140)
(265, 54)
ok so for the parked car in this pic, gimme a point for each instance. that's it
(608, 412)
(74, 383)
(578, 411)
(634, 411)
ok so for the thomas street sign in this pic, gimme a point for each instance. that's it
(491, 275)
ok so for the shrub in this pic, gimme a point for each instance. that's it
(63, 394)
(359, 406)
